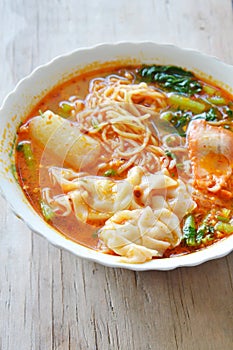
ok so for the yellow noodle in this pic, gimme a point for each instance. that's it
(114, 113)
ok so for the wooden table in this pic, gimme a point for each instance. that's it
(51, 299)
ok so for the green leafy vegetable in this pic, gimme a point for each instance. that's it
(217, 100)
(66, 109)
(209, 90)
(180, 121)
(95, 124)
(12, 147)
(229, 113)
(186, 103)
(224, 227)
(170, 154)
(47, 211)
(167, 116)
(14, 172)
(41, 113)
(25, 147)
(180, 165)
(171, 78)
(203, 231)
(193, 236)
(110, 172)
(95, 234)
(207, 239)
(209, 116)
(189, 231)
(222, 218)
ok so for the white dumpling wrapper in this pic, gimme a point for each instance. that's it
(180, 200)
(141, 234)
(93, 197)
(159, 190)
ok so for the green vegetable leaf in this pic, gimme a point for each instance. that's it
(203, 231)
(229, 113)
(209, 116)
(189, 231)
(25, 147)
(171, 78)
(170, 154)
(47, 211)
(180, 121)
(41, 113)
(224, 227)
(14, 172)
(95, 234)
(110, 172)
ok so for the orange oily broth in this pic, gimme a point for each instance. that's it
(69, 226)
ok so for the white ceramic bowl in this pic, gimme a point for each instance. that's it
(31, 89)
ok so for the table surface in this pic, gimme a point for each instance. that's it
(51, 299)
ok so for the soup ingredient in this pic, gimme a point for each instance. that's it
(146, 161)
(211, 153)
(193, 235)
(110, 172)
(160, 190)
(217, 100)
(66, 109)
(186, 103)
(138, 235)
(224, 227)
(47, 212)
(92, 197)
(65, 140)
(209, 116)
(26, 148)
(171, 78)
(189, 231)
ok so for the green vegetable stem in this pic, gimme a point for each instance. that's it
(224, 227)
(47, 211)
(186, 103)
(189, 231)
(110, 172)
(25, 147)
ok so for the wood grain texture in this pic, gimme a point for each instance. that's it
(50, 299)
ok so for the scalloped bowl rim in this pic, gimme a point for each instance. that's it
(27, 93)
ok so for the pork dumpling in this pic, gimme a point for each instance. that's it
(64, 139)
(146, 183)
(159, 190)
(179, 199)
(141, 234)
(93, 197)
(102, 195)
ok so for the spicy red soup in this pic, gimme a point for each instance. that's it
(132, 161)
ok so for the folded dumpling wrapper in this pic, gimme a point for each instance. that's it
(159, 190)
(92, 197)
(141, 234)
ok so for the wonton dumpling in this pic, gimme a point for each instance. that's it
(180, 200)
(159, 190)
(141, 234)
(93, 197)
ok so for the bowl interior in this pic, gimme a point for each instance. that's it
(31, 89)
